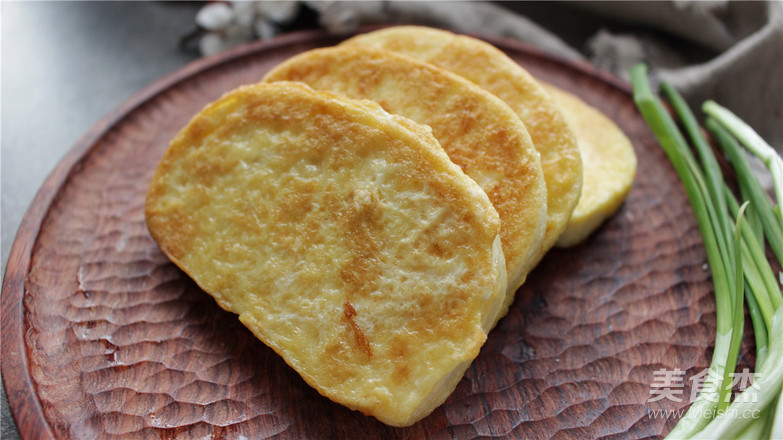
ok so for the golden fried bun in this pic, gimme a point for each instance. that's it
(342, 236)
(478, 131)
(609, 165)
(491, 69)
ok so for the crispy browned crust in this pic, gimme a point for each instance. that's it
(494, 71)
(479, 132)
(343, 237)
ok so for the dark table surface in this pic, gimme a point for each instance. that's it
(64, 66)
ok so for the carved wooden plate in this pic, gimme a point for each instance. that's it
(104, 338)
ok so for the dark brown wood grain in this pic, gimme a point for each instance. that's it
(102, 337)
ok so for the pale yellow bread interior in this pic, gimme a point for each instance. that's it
(494, 71)
(479, 132)
(342, 236)
(609, 164)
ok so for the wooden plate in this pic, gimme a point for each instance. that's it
(104, 337)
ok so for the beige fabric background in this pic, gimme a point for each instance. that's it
(728, 51)
(731, 52)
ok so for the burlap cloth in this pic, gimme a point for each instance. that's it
(731, 52)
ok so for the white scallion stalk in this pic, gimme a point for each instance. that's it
(766, 388)
(758, 429)
(700, 412)
(777, 425)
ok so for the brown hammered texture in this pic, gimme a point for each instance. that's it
(121, 344)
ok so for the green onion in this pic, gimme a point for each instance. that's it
(753, 142)
(758, 272)
(675, 147)
(777, 427)
(713, 174)
(766, 388)
(758, 429)
(736, 255)
(738, 318)
(772, 226)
